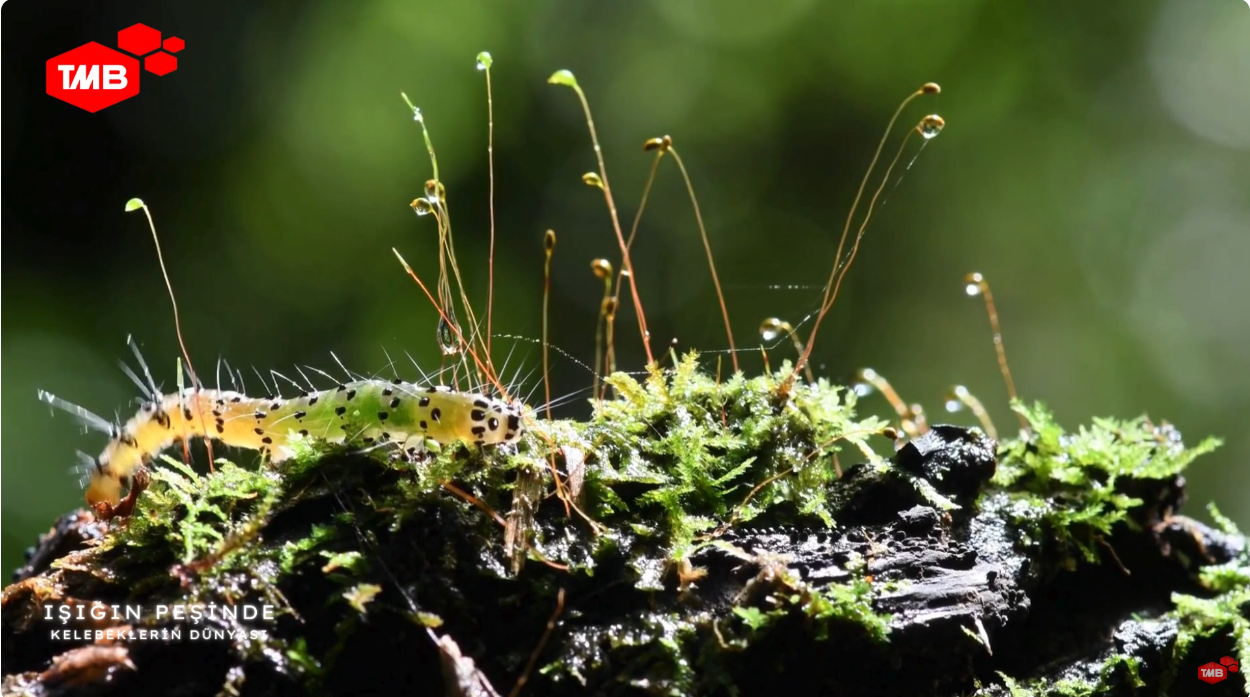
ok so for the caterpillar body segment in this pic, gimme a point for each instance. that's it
(368, 412)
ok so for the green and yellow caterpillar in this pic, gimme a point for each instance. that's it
(368, 412)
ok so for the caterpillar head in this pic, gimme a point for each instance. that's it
(103, 489)
(101, 485)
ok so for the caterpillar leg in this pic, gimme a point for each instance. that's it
(411, 450)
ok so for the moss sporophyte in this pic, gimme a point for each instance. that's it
(711, 513)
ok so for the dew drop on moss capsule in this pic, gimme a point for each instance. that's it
(931, 126)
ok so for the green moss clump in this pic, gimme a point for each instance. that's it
(1064, 485)
(709, 451)
(1064, 491)
(196, 511)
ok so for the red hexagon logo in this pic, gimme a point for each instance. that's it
(1212, 673)
(160, 63)
(139, 39)
(173, 44)
(92, 77)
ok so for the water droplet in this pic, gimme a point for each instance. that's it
(434, 190)
(447, 342)
(592, 179)
(483, 61)
(601, 267)
(956, 399)
(770, 329)
(422, 207)
(974, 281)
(931, 126)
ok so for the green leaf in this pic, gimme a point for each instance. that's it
(1223, 522)
(752, 617)
(733, 473)
(183, 468)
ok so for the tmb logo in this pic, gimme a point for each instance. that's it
(1215, 672)
(94, 76)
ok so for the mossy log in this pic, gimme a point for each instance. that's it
(708, 547)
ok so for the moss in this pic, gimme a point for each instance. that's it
(666, 468)
(700, 447)
(1196, 618)
(194, 511)
(1066, 494)
(1114, 671)
(1066, 486)
(825, 607)
(845, 602)
(1227, 613)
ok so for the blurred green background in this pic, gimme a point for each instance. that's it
(1094, 167)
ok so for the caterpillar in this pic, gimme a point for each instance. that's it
(369, 411)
